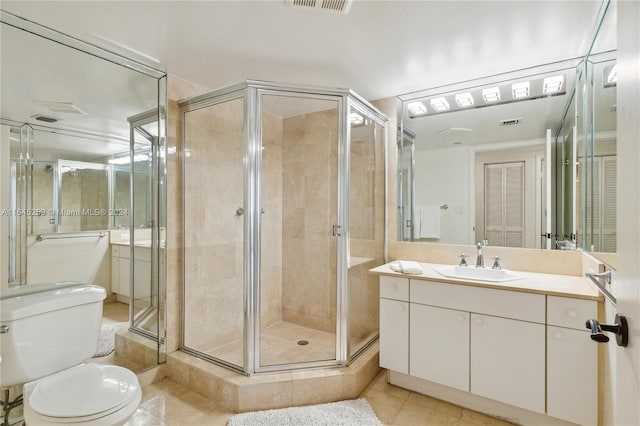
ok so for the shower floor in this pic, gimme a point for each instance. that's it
(279, 345)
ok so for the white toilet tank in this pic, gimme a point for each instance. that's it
(48, 328)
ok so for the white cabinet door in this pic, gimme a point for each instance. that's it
(125, 279)
(572, 376)
(115, 274)
(394, 335)
(508, 361)
(142, 282)
(439, 349)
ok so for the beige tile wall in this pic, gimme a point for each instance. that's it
(271, 241)
(42, 185)
(95, 195)
(177, 89)
(310, 208)
(214, 188)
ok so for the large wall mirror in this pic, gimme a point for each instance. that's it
(521, 159)
(82, 172)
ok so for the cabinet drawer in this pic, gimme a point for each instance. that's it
(570, 313)
(394, 288)
(482, 300)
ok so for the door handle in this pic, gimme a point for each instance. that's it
(620, 328)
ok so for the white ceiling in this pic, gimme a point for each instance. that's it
(379, 49)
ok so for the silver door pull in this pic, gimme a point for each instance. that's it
(336, 231)
(4, 329)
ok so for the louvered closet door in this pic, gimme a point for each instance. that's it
(609, 175)
(504, 204)
(599, 204)
(493, 204)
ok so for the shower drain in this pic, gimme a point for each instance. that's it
(303, 342)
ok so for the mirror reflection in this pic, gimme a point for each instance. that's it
(479, 152)
(519, 159)
(80, 134)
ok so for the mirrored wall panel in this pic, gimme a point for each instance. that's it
(519, 159)
(82, 201)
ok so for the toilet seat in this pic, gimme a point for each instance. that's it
(84, 393)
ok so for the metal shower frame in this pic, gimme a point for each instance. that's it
(251, 91)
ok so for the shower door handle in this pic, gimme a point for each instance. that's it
(336, 230)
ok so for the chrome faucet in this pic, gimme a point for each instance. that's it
(480, 259)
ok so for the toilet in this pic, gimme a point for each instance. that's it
(49, 331)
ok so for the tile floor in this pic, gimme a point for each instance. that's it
(168, 403)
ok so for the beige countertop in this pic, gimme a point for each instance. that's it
(551, 284)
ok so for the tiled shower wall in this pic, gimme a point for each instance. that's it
(214, 178)
(304, 293)
(310, 161)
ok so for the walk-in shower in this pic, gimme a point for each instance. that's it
(284, 206)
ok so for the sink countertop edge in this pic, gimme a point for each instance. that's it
(577, 287)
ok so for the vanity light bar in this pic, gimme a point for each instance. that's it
(464, 99)
(552, 84)
(356, 119)
(440, 104)
(491, 95)
(416, 108)
(520, 90)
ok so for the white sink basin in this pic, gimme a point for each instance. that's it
(478, 274)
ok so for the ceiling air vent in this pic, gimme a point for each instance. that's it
(510, 122)
(44, 118)
(62, 107)
(331, 6)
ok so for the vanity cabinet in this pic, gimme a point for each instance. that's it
(439, 349)
(572, 359)
(528, 350)
(497, 340)
(121, 271)
(394, 324)
(508, 361)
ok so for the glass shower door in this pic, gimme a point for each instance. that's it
(299, 208)
(366, 225)
(214, 217)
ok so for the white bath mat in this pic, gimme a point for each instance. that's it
(354, 412)
(107, 340)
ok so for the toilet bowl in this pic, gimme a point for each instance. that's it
(87, 394)
(48, 332)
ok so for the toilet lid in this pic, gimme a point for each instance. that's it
(84, 390)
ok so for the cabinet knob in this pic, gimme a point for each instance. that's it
(403, 308)
(394, 287)
(461, 317)
(572, 313)
(479, 321)
(558, 335)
